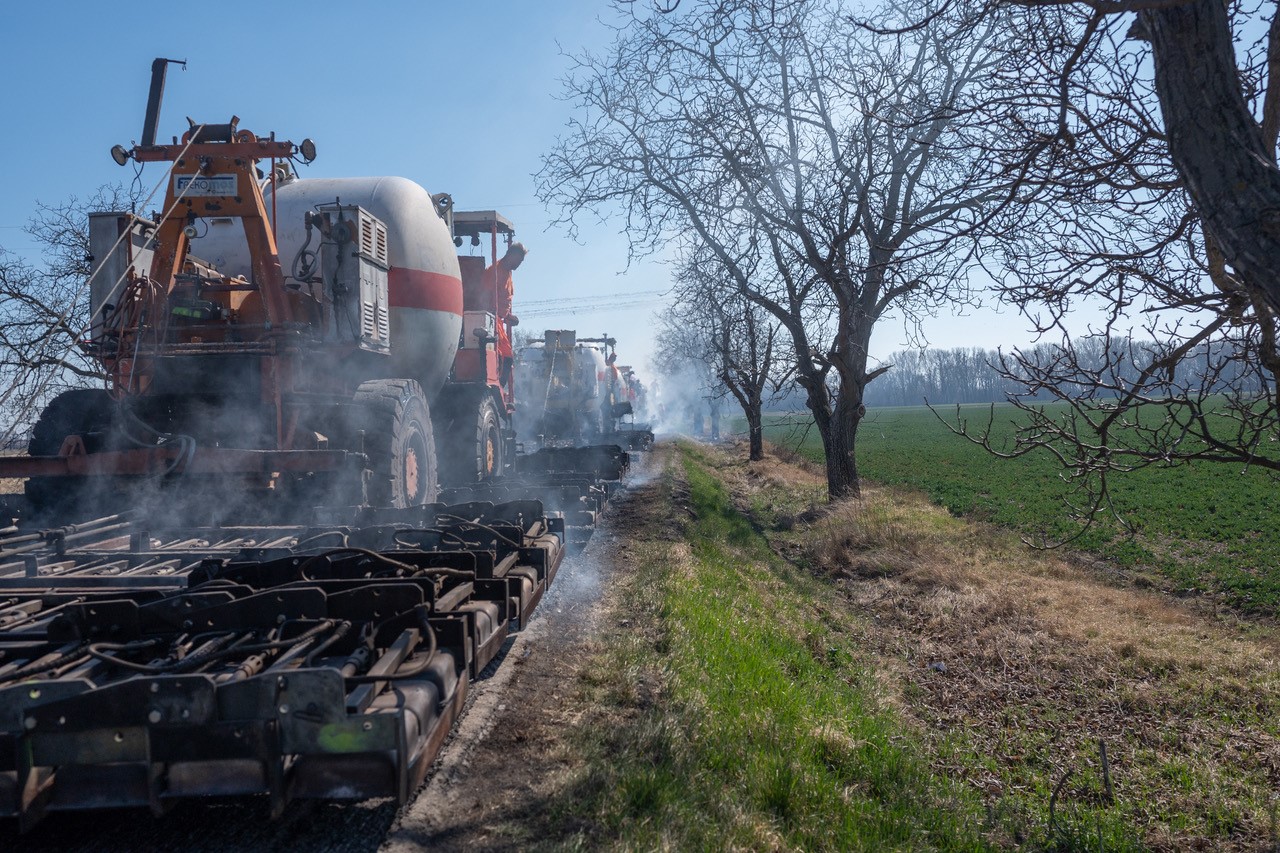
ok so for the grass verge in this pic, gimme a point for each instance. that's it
(880, 674)
(1017, 667)
(735, 713)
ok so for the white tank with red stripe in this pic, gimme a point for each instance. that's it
(425, 284)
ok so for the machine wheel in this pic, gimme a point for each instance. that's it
(399, 443)
(75, 412)
(471, 439)
(79, 411)
(489, 440)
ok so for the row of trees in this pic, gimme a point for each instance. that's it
(814, 169)
(960, 375)
(1104, 370)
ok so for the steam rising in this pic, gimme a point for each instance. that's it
(689, 403)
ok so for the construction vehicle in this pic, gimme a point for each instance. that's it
(566, 398)
(629, 432)
(271, 555)
(321, 339)
(572, 393)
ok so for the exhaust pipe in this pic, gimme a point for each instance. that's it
(152, 121)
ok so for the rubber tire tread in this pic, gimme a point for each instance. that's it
(392, 407)
(489, 419)
(74, 412)
(464, 440)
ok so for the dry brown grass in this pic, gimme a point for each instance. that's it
(1042, 655)
(11, 485)
(795, 461)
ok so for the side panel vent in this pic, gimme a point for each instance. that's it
(373, 238)
(355, 275)
(384, 321)
(368, 318)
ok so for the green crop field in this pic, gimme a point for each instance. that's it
(1209, 526)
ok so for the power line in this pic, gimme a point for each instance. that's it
(588, 309)
(599, 297)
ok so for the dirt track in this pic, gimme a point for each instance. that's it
(495, 777)
(490, 782)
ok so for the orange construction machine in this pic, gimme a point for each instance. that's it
(301, 340)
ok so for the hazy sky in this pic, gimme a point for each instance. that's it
(460, 97)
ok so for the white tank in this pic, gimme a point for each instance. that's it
(593, 373)
(425, 286)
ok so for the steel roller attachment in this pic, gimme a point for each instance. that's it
(140, 667)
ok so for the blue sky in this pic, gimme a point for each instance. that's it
(460, 97)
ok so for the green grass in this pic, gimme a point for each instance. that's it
(743, 710)
(748, 721)
(1027, 698)
(1206, 526)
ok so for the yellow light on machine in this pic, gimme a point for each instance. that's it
(199, 310)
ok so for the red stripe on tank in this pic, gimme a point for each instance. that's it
(429, 291)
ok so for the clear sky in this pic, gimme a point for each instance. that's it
(460, 97)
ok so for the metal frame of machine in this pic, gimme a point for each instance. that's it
(585, 395)
(290, 662)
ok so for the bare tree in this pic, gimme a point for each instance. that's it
(44, 306)
(1125, 147)
(1224, 153)
(788, 139)
(1210, 69)
(735, 338)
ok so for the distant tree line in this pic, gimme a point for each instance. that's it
(1104, 367)
(959, 375)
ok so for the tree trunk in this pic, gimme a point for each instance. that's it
(1214, 141)
(750, 397)
(838, 429)
(755, 435)
(842, 467)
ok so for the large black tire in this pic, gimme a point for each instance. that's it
(79, 411)
(86, 412)
(399, 443)
(471, 440)
(490, 459)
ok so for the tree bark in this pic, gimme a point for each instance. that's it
(755, 435)
(751, 401)
(1214, 141)
(842, 466)
(838, 429)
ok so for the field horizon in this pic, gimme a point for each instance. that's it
(1198, 529)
